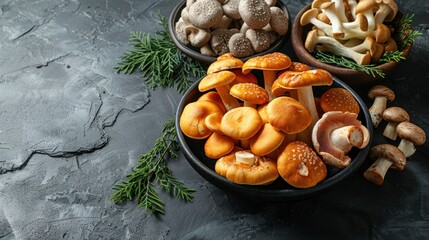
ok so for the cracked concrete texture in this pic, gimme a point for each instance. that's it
(71, 128)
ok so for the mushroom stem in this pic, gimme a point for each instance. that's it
(377, 171)
(390, 130)
(407, 147)
(245, 157)
(229, 101)
(269, 78)
(376, 110)
(346, 137)
(328, 8)
(339, 49)
(306, 98)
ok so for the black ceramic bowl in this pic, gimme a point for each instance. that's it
(353, 78)
(279, 190)
(195, 53)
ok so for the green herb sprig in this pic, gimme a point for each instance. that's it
(405, 34)
(160, 62)
(152, 166)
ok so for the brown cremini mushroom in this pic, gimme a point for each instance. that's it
(386, 156)
(394, 116)
(300, 166)
(380, 94)
(335, 134)
(243, 167)
(411, 135)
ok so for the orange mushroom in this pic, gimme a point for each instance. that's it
(224, 62)
(241, 123)
(213, 121)
(303, 82)
(243, 167)
(218, 145)
(250, 93)
(339, 99)
(240, 77)
(220, 81)
(192, 119)
(269, 64)
(300, 166)
(214, 97)
(266, 140)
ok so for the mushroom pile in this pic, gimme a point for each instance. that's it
(354, 29)
(388, 156)
(240, 27)
(258, 132)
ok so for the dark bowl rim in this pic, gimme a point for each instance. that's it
(193, 53)
(259, 193)
(298, 46)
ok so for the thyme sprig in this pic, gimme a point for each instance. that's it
(152, 166)
(160, 62)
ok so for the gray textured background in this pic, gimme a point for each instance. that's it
(70, 127)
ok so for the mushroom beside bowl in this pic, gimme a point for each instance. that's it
(354, 78)
(279, 190)
(195, 53)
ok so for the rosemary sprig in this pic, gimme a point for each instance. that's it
(347, 63)
(405, 34)
(160, 62)
(153, 166)
(392, 56)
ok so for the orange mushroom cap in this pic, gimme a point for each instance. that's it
(218, 145)
(263, 172)
(213, 97)
(224, 62)
(213, 80)
(266, 140)
(192, 119)
(315, 77)
(339, 99)
(273, 61)
(288, 115)
(241, 123)
(213, 121)
(249, 92)
(240, 77)
(300, 166)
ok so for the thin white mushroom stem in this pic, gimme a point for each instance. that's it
(367, 45)
(377, 109)
(340, 9)
(339, 49)
(269, 78)
(245, 157)
(306, 98)
(370, 19)
(390, 130)
(228, 100)
(377, 171)
(346, 137)
(359, 22)
(329, 10)
(407, 147)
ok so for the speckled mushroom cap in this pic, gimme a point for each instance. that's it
(300, 166)
(339, 99)
(205, 13)
(279, 21)
(411, 132)
(230, 8)
(315, 77)
(240, 46)
(249, 92)
(272, 61)
(255, 13)
(219, 40)
(259, 38)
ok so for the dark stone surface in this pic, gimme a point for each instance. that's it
(71, 128)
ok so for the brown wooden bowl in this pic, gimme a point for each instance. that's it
(353, 78)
